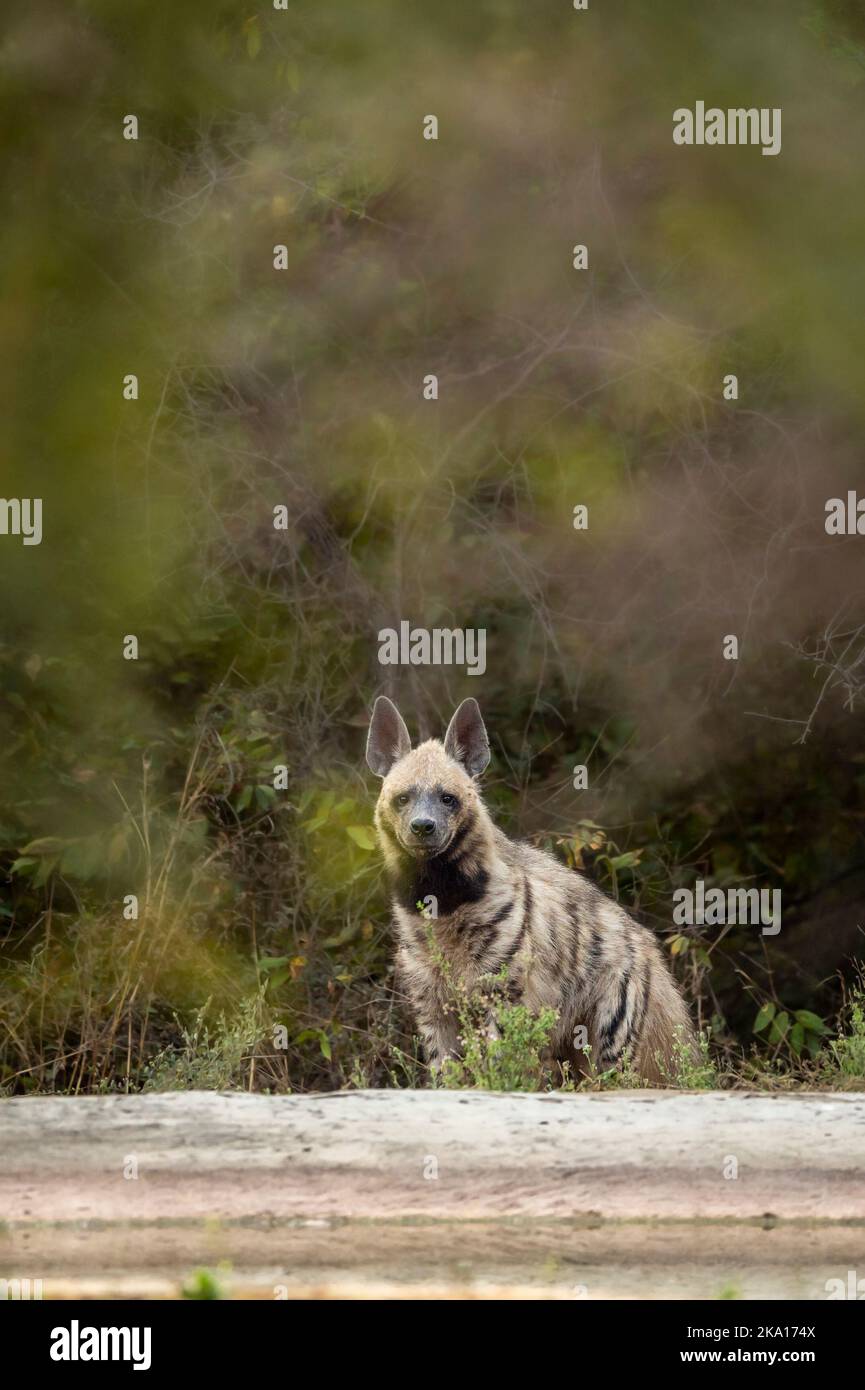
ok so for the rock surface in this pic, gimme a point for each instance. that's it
(632, 1194)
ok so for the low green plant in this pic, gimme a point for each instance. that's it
(844, 1056)
(213, 1057)
(503, 1045)
(622, 1077)
(691, 1067)
(509, 1059)
(204, 1284)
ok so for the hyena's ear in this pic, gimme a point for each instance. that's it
(387, 740)
(466, 739)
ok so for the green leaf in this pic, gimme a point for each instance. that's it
(50, 845)
(810, 1021)
(47, 865)
(362, 835)
(23, 866)
(764, 1017)
(629, 860)
(797, 1038)
(272, 962)
(778, 1031)
(323, 1040)
(83, 858)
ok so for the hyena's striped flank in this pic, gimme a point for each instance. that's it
(499, 902)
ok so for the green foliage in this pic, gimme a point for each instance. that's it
(502, 1046)
(205, 1284)
(802, 1031)
(844, 1058)
(623, 1077)
(692, 1070)
(210, 1058)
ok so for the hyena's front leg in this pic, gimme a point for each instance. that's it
(434, 1017)
(497, 992)
(440, 1029)
(439, 1033)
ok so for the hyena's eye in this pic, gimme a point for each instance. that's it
(448, 800)
(402, 799)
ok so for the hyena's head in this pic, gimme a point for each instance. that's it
(429, 795)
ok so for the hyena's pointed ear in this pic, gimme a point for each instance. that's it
(387, 740)
(466, 739)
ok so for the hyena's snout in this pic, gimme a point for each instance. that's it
(426, 823)
(424, 831)
(422, 827)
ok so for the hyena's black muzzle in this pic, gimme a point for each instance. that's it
(422, 827)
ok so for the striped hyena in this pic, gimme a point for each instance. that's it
(502, 903)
